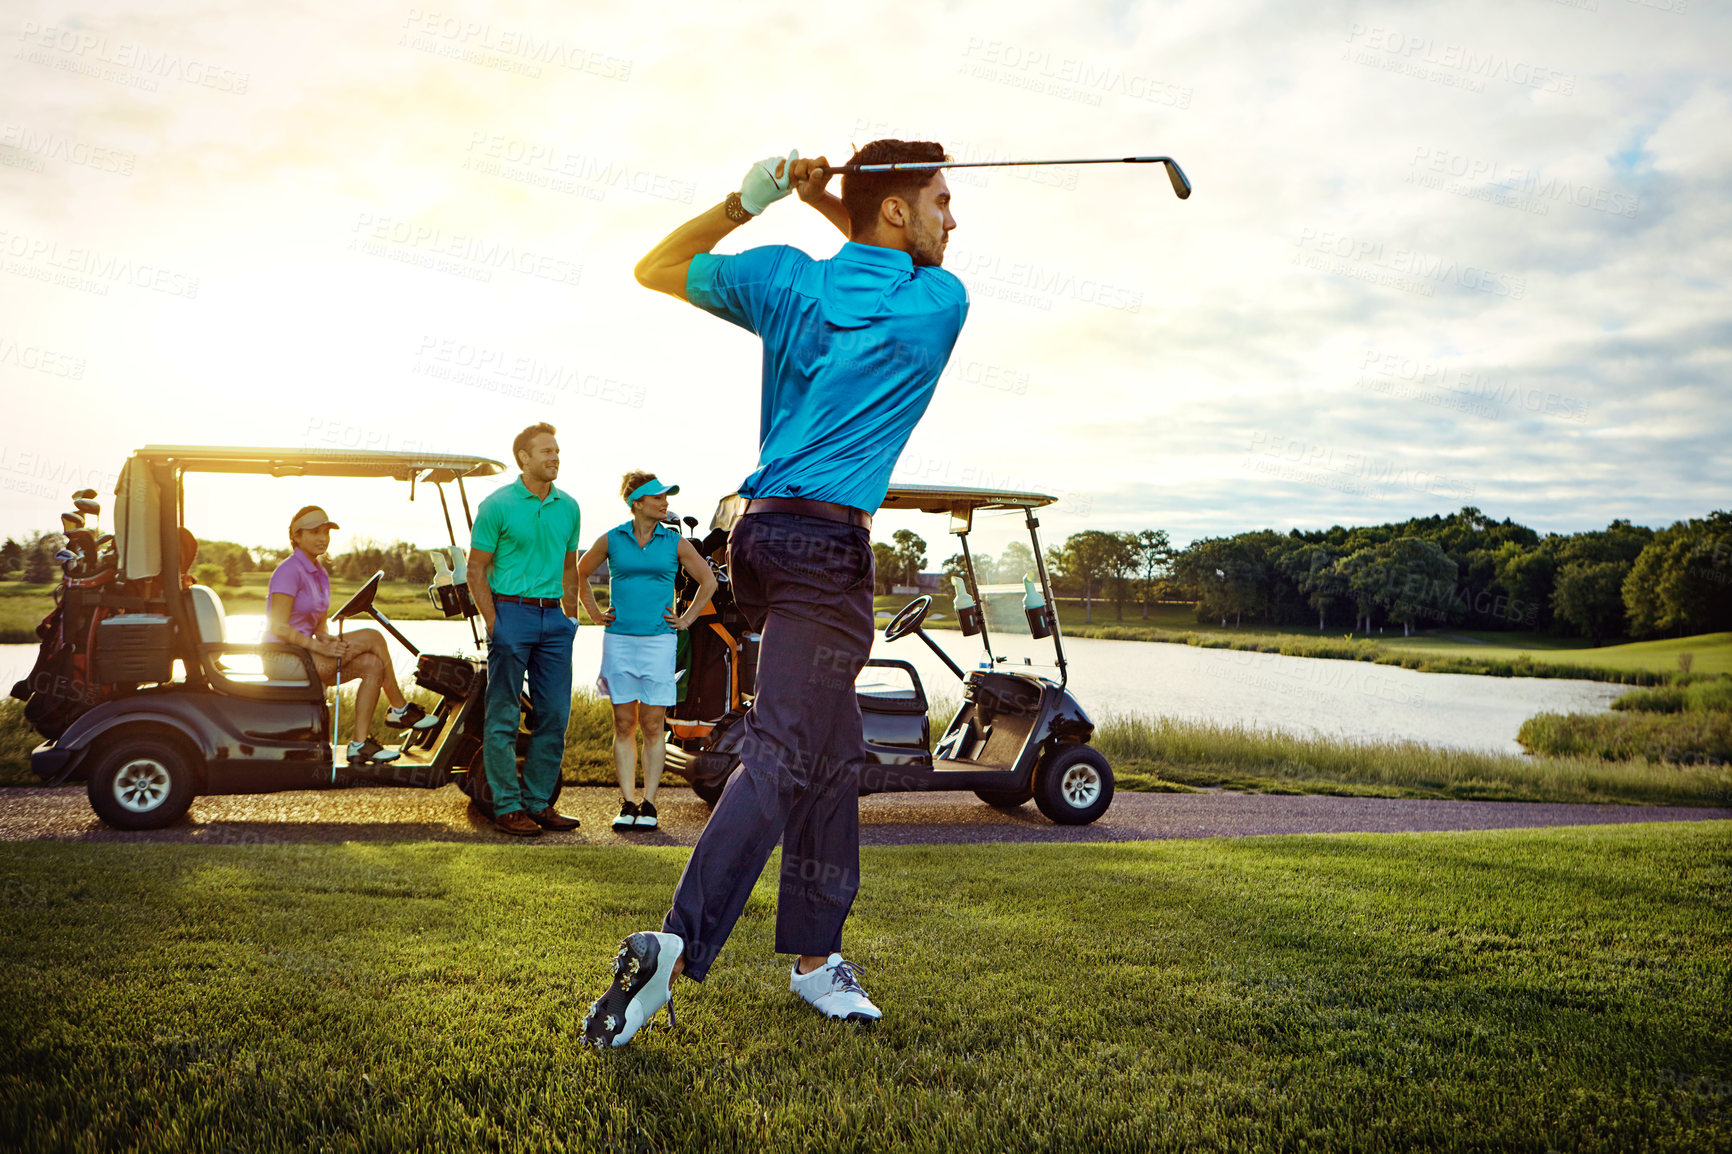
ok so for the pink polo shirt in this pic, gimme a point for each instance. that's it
(301, 578)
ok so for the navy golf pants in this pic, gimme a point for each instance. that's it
(806, 585)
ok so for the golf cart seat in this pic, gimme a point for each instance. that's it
(213, 629)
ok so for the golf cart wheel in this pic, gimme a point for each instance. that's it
(1074, 785)
(1004, 798)
(142, 784)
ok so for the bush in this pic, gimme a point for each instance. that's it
(1684, 738)
(1709, 695)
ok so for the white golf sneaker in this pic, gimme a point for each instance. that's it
(834, 991)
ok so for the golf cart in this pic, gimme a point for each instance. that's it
(1020, 733)
(161, 706)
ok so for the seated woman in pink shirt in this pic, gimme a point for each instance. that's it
(300, 600)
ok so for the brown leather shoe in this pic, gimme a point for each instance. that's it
(551, 819)
(518, 824)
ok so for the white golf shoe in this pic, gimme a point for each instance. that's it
(834, 991)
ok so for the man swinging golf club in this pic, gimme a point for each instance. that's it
(853, 347)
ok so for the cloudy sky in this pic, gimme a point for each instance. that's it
(1438, 254)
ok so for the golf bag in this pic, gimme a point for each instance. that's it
(62, 685)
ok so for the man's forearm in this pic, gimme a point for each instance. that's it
(480, 592)
(664, 267)
(835, 212)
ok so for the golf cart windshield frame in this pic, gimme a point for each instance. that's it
(962, 504)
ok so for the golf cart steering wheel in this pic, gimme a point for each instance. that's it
(362, 601)
(908, 620)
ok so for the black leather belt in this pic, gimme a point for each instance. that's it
(800, 507)
(538, 602)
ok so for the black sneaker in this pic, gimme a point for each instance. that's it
(646, 815)
(411, 716)
(370, 752)
(627, 818)
(642, 972)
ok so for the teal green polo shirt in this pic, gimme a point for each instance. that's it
(529, 538)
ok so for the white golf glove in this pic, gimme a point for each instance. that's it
(761, 188)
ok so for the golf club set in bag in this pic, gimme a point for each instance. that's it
(67, 678)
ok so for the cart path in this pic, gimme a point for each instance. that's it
(397, 815)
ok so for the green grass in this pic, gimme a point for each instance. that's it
(22, 608)
(1695, 695)
(1557, 989)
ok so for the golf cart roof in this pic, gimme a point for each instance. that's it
(427, 466)
(954, 498)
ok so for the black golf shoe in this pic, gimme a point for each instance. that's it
(642, 972)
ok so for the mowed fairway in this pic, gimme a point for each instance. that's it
(1557, 989)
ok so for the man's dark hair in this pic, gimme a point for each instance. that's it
(864, 192)
(521, 444)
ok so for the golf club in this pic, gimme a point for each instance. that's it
(1181, 184)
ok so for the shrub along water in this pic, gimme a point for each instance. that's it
(1687, 723)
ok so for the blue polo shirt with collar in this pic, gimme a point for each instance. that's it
(853, 347)
(640, 579)
(529, 538)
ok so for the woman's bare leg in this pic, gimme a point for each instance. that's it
(625, 748)
(371, 671)
(653, 721)
(372, 641)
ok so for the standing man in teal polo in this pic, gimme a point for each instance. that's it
(523, 576)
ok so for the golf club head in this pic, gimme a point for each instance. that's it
(84, 494)
(65, 555)
(88, 507)
(71, 521)
(1181, 185)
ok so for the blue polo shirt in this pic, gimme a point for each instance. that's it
(528, 537)
(640, 580)
(853, 347)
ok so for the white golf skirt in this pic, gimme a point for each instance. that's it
(638, 668)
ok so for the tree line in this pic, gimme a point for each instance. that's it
(1462, 570)
(223, 563)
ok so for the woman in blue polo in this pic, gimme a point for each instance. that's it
(637, 651)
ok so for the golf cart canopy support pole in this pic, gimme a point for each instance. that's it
(1051, 602)
(974, 592)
